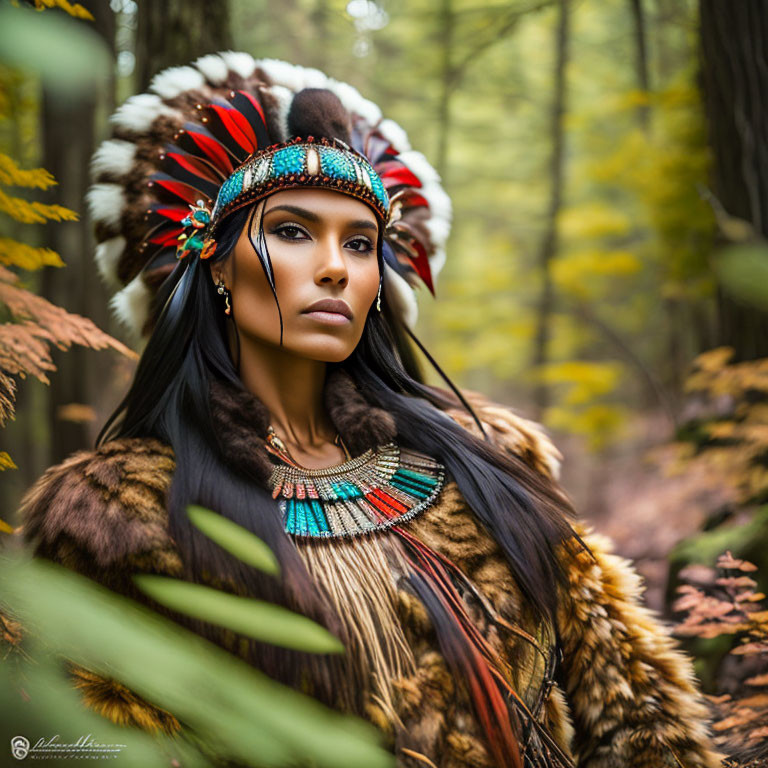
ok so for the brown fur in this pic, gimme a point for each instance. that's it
(319, 112)
(628, 696)
(360, 425)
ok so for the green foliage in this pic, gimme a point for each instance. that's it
(229, 710)
(254, 618)
(237, 541)
(742, 271)
(65, 52)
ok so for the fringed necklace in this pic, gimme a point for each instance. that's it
(376, 490)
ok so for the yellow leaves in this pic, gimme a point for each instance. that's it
(582, 272)
(712, 376)
(13, 253)
(582, 383)
(33, 212)
(599, 423)
(592, 220)
(26, 211)
(6, 462)
(733, 436)
(11, 174)
(73, 9)
(585, 380)
(626, 160)
(713, 360)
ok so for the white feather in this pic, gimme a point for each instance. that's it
(401, 297)
(107, 255)
(284, 98)
(139, 112)
(439, 222)
(394, 134)
(106, 203)
(420, 166)
(175, 80)
(213, 67)
(314, 78)
(292, 76)
(436, 264)
(114, 157)
(353, 102)
(241, 63)
(131, 305)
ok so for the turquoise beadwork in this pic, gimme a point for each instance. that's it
(336, 164)
(288, 160)
(285, 165)
(381, 488)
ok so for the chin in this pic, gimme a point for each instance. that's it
(326, 349)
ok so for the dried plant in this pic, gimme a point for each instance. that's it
(725, 601)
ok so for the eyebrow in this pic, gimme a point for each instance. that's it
(311, 216)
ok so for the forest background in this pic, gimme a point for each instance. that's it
(606, 273)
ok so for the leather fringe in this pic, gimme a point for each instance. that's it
(357, 579)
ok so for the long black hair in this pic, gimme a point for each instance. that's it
(169, 399)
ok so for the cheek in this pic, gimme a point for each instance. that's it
(252, 298)
(364, 283)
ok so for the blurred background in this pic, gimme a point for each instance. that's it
(606, 274)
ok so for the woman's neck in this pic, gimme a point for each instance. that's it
(291, 388)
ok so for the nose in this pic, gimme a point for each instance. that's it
(332, 264)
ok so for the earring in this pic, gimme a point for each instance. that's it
(222, 291)
(378, 298)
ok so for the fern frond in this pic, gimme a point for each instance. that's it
(73, 9)
(16, 254)
(10, 173)
(33, 212)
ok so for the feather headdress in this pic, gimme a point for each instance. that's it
(179, 142)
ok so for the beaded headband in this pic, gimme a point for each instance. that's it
(301, 162)
(297, 163)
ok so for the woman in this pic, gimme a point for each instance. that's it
(278, 388)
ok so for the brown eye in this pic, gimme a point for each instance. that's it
(361, 245)
(289, 232)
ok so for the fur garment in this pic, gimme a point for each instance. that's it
(622, 696)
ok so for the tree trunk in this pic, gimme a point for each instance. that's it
(641, 59)
(174, 32)
(69, 139)
(734, 80)
(549, 243)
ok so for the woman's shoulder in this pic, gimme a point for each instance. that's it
(520, 436)
(104, 504)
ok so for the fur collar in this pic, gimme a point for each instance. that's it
(241, 417)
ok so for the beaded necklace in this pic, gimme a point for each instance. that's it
(380, 488)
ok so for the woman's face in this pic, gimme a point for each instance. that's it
(322, 245)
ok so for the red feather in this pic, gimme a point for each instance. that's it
(419, 262)
(414, 200)
(237, 126)
(468, 649)
(213, 151)
(195, 165)
(178, 188)
(174, 214)
(167, 238)
(398, 176)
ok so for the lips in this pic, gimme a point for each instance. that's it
(330, 305)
